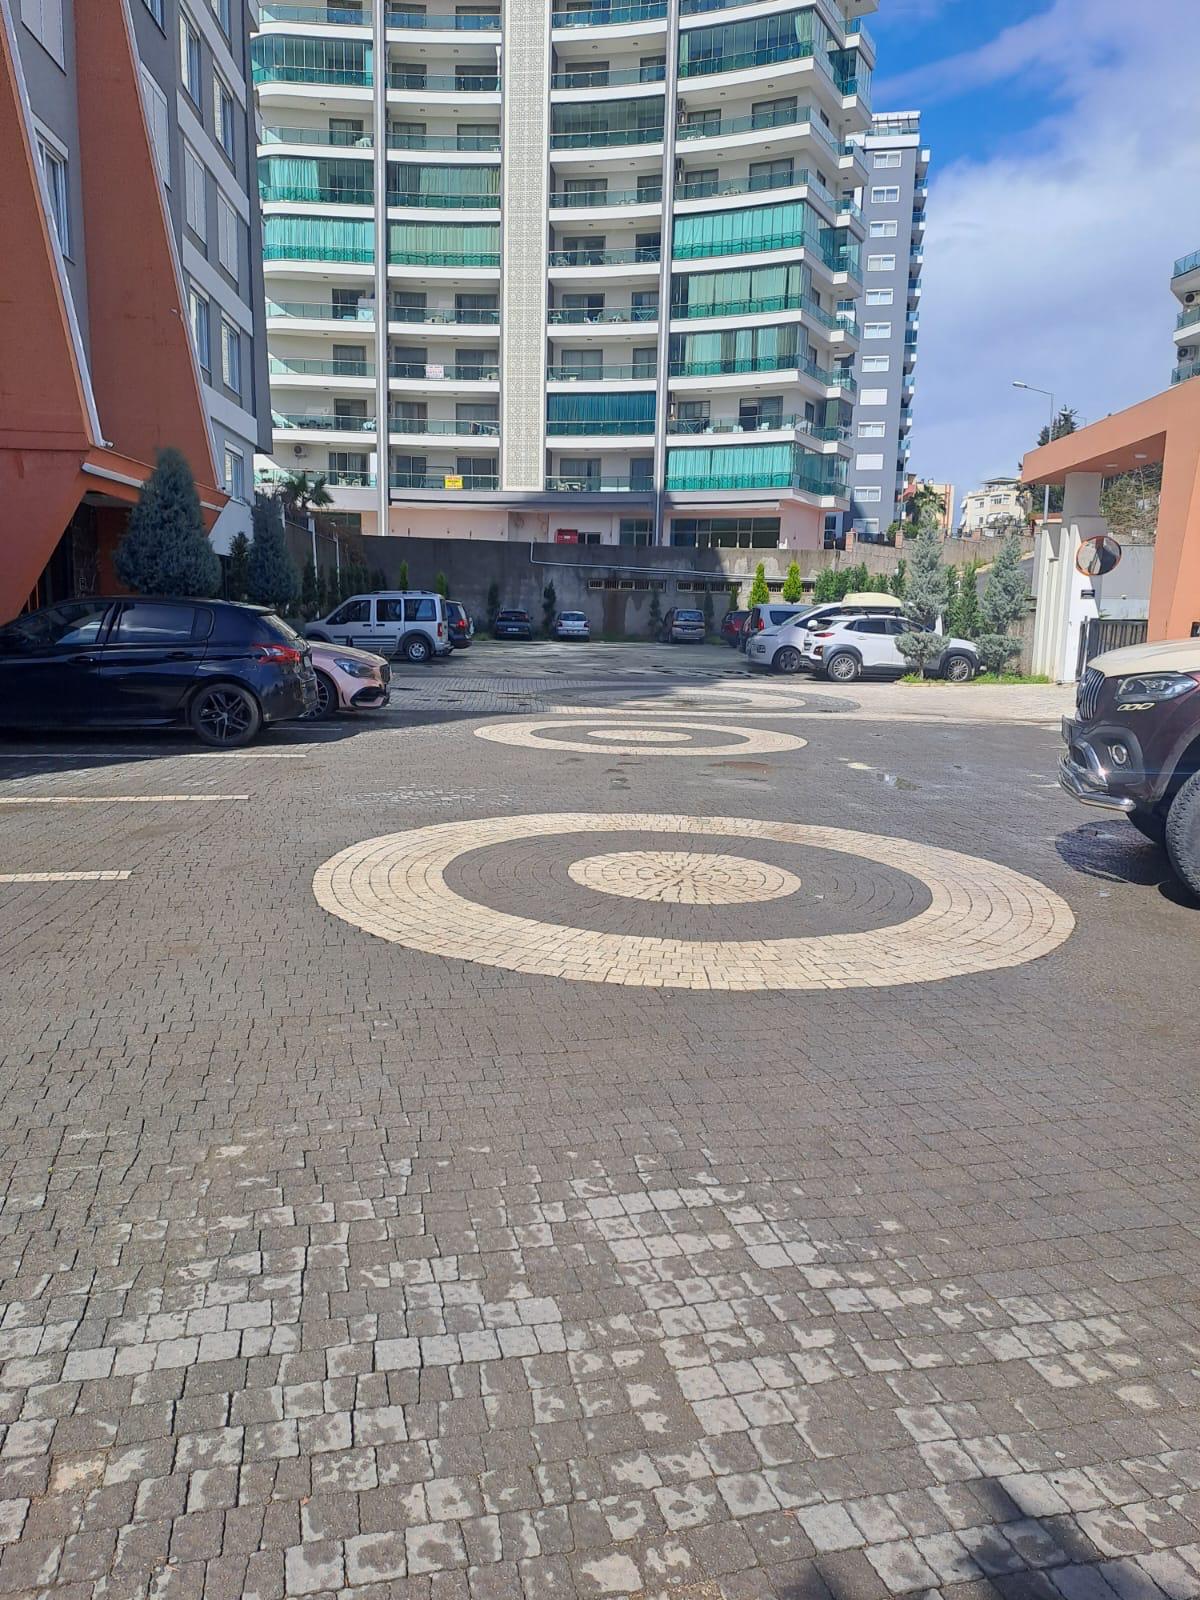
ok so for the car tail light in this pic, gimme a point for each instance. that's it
(279, 652)
(828, 634)
(759, 625)
(439, 630)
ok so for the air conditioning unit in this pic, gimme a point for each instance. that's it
(299, 451)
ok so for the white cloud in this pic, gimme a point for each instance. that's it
(1051, 262)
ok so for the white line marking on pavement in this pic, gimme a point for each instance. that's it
(150, 755)
(108, 799)
(62, 877)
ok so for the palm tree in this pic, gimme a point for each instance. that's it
(301, 494)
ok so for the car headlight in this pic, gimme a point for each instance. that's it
(1156, 686)
(354, 669)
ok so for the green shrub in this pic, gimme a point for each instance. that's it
(166, 549)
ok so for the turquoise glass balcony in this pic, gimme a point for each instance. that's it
(611, 15)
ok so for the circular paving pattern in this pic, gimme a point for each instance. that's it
(683, 877)
(637, 742)
(981, 916)
(638, 735)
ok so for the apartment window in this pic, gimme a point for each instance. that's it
(223, 115)
(872, 397)
(634, 530)
(877, 330)
(772, 113)
(868, 495)
(776, 174)
(876, 363)
(881, 263)
(880, 297)
(223, 11)
(871, 430)
(198, 311)
(231, 357)
(157, 11)
(884, 230)
(54, 165)
(189, 58)
(235, 473)
(227, 236)
(159, 123)
(44, 20)
(868, 463)
(195, 209)
(701, 182)
(886, 158)
(885, 194)
(651, 68)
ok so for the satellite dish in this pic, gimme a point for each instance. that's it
(1098, 556)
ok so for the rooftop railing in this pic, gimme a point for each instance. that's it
(1186, 264)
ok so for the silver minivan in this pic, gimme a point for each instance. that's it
(411, 623)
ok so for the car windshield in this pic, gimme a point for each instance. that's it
(573, 616)
(689, 616)
(514, 616)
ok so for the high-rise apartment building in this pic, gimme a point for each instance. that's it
(130, 283)
(1185, 285)
(582, 274)
(893, 205)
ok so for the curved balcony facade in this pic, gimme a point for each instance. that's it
(671, 322)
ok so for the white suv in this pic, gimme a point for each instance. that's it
(847, 648)
(779, 646)
(394, 622)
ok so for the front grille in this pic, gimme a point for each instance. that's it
(1087, 698)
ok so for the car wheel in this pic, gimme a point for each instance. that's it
(1150, 822)
(416, 648)
(225, 715)
(787, 660)
(1183, 834)
(958, 669)
(327, 699)
(842, 668)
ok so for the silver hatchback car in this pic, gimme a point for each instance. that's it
(572, 625)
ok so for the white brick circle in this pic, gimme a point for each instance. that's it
(981, 916)
(683, 877)
(638, 735)
(626, 741)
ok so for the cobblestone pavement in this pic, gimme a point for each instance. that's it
(334, 1264)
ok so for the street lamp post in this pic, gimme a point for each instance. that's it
(1033, 389)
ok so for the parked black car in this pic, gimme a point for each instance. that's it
(682, 626)
(462, 629)
(221, 669)
(513, 625)
(1133, 745)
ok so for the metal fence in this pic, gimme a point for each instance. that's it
(1099, 634)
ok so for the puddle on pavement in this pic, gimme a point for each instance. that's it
(743, 766)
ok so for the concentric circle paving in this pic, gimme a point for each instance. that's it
(638, 735)
(981, 916)
(683, 877)
(638, 742)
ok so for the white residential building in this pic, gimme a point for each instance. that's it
(1185, 285)
(616, 245)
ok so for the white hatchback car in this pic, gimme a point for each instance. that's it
(572, 625)
(848, 648)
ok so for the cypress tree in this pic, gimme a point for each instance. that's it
(237, 579)
(793, 584)
(273, 579)
(166, 549)
(759, 593)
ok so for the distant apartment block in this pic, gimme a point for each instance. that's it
(130, 281)
(1185, 285)
(893, 207)
(989, 509)
(655, 345)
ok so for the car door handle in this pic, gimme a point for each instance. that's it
(179, 655)
(84, 661)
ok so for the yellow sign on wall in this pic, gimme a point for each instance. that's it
(453, 481)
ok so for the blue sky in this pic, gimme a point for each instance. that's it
(1065, 181)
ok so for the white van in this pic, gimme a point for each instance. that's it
(411, 623)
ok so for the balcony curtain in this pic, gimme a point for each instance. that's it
(733, 348)
(290, 60)
(590, 409)
(766, 466)
(408, 178)
(696, 293)
(601, 115)
(471, 243)
(299, 175)
(773, 38)
(317, 239)
(729, 233)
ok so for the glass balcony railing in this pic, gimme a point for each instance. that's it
(445, 83)
(1188, 369)
(447, 479)
(335, 138)
(443, 258)
(606, 136)
(601, 427)
(765, 56)
(302, 72)
(399, 140)
(600, 484)
(606, 15)
(333, 253)
(314, 194)
(834, 377)
(440, 22)
(694, 427)
(713, 127)
(1186, 318)
(634, 372)
(583, 199)
(294, 366)
(444, 316)
(584, 316)
(606, 77)
(755, 183)
(321, 311)
(750, 308)
(333, 477)
(436, 372)
(1186, 264)
(422, 425)
(348, 16)
(836, 259)
(762, 479)
(445, 202)
(326, 423)
(642, 253)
